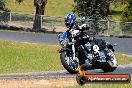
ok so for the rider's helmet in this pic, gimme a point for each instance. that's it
(70, 19)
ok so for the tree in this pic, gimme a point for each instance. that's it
(127, 17)
(3, 15)
(127, 13)
(39, 10)
(2, 5)
(92, 8)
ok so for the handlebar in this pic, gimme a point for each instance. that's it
(83, 27)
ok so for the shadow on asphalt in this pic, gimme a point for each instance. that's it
(119, 70)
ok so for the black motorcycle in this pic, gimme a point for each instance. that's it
(78, 49)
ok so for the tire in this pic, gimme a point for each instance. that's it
(65, 65)
(110, 67)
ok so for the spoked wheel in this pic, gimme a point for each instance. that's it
(69, 64)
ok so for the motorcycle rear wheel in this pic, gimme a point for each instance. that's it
(110, 67)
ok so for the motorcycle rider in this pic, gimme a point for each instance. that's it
(70, 21)
(71, 24)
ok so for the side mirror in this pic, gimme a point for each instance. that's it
(59, 35)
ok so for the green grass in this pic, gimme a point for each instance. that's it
(20, 57)
(123, 59)
(53, 7)
(104, 86)
(23, 57)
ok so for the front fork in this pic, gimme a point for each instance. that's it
(74, 52)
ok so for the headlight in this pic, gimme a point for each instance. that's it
(64, 43)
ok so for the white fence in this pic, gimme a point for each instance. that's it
(26, 20)
(105, 27)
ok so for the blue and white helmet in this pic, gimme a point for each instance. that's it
(70, 19)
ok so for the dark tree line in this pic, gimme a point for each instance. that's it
(127, 17)
(92, 8)
(2, 5)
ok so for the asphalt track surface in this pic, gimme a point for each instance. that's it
(122, 69)
(124, 46)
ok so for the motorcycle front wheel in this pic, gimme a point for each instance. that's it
(70, 65)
